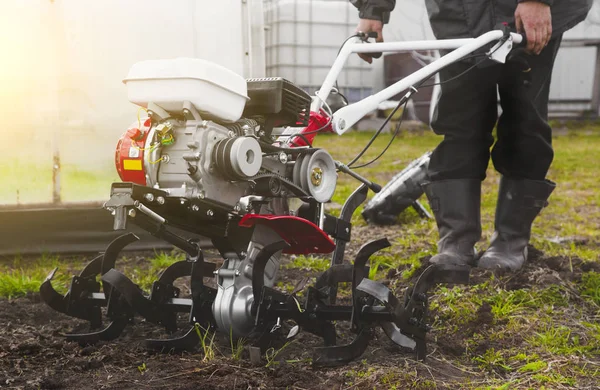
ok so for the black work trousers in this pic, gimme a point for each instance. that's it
(467, 110)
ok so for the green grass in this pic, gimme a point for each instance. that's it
(145, 273)
(309, 263)
(590, 287)
(572, 213)
(21, 277)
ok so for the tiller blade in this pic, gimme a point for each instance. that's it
(373, 304)
(84, 300)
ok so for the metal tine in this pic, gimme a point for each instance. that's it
(110, 332)
(80, 300)
(360, 272)
(200, 306)
(114, 248)
(84, 298)
(187, 342)
(410, 317)
(60, 303)
(335, 355)
(134, 296)
(159, 307)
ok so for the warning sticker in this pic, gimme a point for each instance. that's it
(134, 152)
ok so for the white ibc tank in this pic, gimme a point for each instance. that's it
(303, 38)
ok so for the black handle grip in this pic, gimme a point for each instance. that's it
(376, 188)
(344, 168)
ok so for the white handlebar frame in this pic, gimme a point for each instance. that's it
(347, 116)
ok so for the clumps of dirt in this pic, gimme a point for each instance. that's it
(540, 270)
(35, 355)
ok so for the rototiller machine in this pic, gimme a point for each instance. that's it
(208, 159)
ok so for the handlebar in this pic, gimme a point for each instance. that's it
(349, 115)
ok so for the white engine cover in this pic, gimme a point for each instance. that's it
(215, 91)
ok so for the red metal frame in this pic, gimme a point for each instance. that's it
(303, 236)
(318, 121)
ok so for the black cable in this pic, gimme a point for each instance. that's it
(396, 131)
(455, 77)
(389, 117)
(405, 102)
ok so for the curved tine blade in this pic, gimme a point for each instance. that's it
(93, 267)
(175, 271)
(364, 253)
(184, 268)
(370, 248)
(51, 297)
(337, 355)
(393, 332)
(111, 332)
(148, 309)
(114, 248)
(187, 342)
(260, 262)
(377, 291)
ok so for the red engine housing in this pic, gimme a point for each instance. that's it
(129, 156)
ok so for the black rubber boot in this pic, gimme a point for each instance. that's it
(456, 206)
(519, 202)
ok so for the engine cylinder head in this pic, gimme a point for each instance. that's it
(238, 158)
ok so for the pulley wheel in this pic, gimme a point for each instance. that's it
(246, 156)
(319, 176)
(238, 158)
(304, 173)
(297, 169)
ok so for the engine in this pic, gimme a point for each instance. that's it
(206, 156)
(198, 154)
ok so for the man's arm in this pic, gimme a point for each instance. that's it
(374, 9)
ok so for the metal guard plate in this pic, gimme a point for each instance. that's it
(304, 237)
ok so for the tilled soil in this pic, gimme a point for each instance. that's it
(34, 354)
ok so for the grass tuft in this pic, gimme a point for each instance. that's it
(309, 263)
(590, 286)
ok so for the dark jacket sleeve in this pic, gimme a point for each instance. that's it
(547, 2)
(374, 9)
